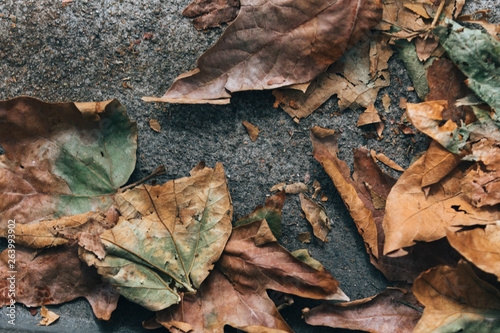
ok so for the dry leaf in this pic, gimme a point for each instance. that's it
(235, 292)
(413, 216)
(316, 215)
(304, 237)
(211, 13)
(367, 193)
(168, 237)
(370, 116)
(455, 299)
(393, 310)
(479, 246)
(271, 45)
(386, 160)
(48, 317)
(356, 79)
(60, 160)
(438, 163)
(425, 47)
(155, 125)
(55, 276)
(317, 188)
(325, 151)
(386, 102)
(253, 131)
(294, 188)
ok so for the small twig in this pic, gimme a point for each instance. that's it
(436, 18)
(159, 171)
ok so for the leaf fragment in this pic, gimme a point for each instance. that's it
(155, 125)
(211, 13)
(386, 160)
(370, 116)
(316, 215)
(253, 131)
(48, 317)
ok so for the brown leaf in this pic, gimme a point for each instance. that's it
(412, 216)
(386, 102)
(438, 163)
(294, 188)
(454, 297)
(317, 188)
(48, 317)
(316, 215)
(55, 276)
(235, 292)
(386, 160)
(253, 131)
(425, 47)
(446, 82)
(393, 310)
(271, 45)
(325, 151)
(211, 13)
(370, 116)
(155, 125)
(304, 237)
(479, 246)
(356, 79)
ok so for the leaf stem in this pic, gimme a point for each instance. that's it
(159, 171)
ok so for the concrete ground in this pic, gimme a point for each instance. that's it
(85, 50)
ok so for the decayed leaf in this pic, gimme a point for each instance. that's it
(168, 237)
(456, 300)
(49, 317)
(316, 215)
(155, 125)
(271, 212)
(477, 54)
(317, 188)
(271, 45)
(438, 163)
(370, 116)
(60, 161)
(386, 102)
(393, 310)
(253, 131)
(356, 79)
(294, 188)
(412, 216)
(479, 246)
(325, 152)
(55, 276)
(386, 160)
(446, 82)
(481, 17)
(211, 13)
(235, 292)
(304, 237)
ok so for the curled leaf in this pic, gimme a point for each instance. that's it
(316, 215)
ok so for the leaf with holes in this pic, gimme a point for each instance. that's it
(62, 159)
(167, 239)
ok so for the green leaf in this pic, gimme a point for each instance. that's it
(168, 238)
(416, 69)
(271, 212)
(477, 54)
(60, 160)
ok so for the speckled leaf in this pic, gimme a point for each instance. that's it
(275, 44)
(477, 54)
(62, 159)
(235, 291)
(168, 237)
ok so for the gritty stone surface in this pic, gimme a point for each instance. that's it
(127, 49)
